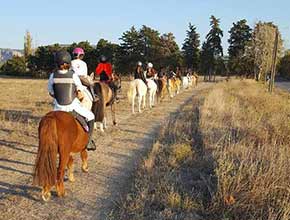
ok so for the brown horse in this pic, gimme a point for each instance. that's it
(59, 133)
(106, 98)
(162, 89)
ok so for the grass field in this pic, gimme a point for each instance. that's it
(224, 156)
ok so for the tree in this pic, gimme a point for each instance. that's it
(14, 66)
(262, 47)
(152, 45)
(131, 50)
(27, 45)
(171, 55)
(190, 48)
(240, 37)
(212, 50)
(284, 65)
(42, 62)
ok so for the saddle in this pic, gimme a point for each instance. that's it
(81, 120)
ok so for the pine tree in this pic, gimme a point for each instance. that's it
(28, 50)
(170, 51)
(212, 49)
(240, 37)
(131, 50)
(190, 48)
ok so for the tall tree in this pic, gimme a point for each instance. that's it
(240, 37)
(190, 48)
(28, 50)
(131, 50)
(152, 45)
(212, 49)
(170, 51)
(262, 47)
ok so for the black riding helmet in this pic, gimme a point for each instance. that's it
(103, 59)
(62, 57)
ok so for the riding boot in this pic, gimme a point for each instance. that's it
(91, 144)
(94, 95)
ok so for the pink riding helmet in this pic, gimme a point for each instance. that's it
(78, 51)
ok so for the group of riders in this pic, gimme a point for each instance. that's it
(70, 78)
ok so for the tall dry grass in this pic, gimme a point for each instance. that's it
(248, 132)
(224, 156)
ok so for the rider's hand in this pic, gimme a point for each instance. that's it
(80, 95)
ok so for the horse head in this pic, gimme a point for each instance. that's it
(116, 80)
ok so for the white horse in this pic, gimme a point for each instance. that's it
(185, 82)
(137, 87)
(152, 89)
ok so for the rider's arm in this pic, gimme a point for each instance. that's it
(77, 82)
(50, 85)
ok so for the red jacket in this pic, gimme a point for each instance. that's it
(106, 67)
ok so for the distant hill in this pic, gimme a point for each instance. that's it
(6, 54)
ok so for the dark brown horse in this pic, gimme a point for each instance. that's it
(59, 133)
(162, 89)
(106, 99)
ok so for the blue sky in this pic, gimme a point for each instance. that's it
(67, 21)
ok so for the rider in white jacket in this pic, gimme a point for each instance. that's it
(81, 69)
(63, 86)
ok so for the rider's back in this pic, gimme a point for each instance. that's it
(79, 67)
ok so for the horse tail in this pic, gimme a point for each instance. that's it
(98, 107)
(131, 91)
(45, 170)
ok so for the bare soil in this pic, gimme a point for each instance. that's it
(111, 166)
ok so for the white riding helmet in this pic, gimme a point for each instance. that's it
(139, 63)
(150, 65)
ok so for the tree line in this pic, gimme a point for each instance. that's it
(249, 53)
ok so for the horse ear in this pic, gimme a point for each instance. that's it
(92, 76)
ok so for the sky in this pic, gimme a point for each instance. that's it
(68, 21)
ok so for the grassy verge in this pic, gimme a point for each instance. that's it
(225, 156)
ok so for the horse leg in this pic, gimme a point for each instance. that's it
(70, 169)
(133, 104)
(113, 110)
(102, 127)
(150, 99)
(105, 123)
(144, 101)
(139, 103)
(45, 194)
(153, 94)
(63, 160)
(84, 157)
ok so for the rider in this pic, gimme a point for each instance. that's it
(63, 86)
(150, 72)
(105, 71)
(81, 69)
(139, 73)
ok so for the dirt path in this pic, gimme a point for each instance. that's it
(93, 193)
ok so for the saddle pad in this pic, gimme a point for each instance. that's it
(81, 120)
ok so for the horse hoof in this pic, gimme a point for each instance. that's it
(46, 196)
(85, 169)
(71, 179)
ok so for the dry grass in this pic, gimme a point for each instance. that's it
(226, 156)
